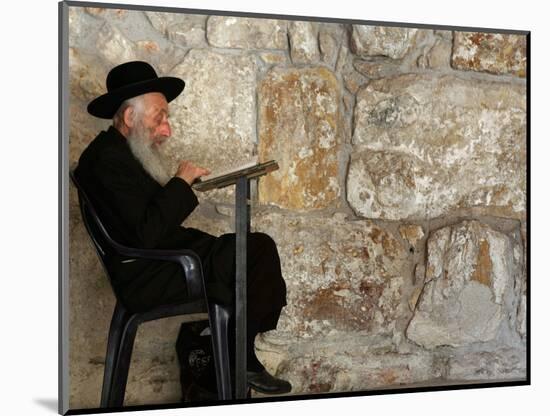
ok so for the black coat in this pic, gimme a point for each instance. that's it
(141, 213)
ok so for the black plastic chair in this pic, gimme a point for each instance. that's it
(124, 324)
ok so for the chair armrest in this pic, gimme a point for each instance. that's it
(188, 259)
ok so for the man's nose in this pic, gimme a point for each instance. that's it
(165, 130)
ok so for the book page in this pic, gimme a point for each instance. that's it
(233, 168)
(250, 170)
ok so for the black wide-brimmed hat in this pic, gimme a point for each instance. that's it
(129, 80)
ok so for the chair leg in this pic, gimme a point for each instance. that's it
(117, 361)
(120, 373)
(118, 322)
(219, 325)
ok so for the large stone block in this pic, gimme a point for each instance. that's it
(426, 145)
(301, 127)
(490, 52)
(213, 121)
(134, 24)
(342, 276)
(496, 364)
(469, 294)
(246, 33)
(115, 47)
(378, 67)
(437, 53)
(331, 37)
(393, 42)
(348, 364)
(188, 30)
(303, 42)
(82, 27)
(83, 129)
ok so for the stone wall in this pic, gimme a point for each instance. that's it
(399, 208)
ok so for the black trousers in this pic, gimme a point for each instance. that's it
(266, 289)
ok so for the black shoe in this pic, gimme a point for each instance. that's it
(264, 382)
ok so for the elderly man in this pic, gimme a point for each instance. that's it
(144, 206)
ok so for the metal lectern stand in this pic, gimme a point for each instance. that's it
(241, 179)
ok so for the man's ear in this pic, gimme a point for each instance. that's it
(128, 116)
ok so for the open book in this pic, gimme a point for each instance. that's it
(228, 176)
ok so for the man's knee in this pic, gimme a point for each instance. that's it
(262, 245)
(262, 239)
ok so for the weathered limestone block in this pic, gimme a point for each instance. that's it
(331, 36)
(83, 129)
(490, 52)
(213, 121)
(342, 374)
(303, 42)
(113, 46)
(183, 29)
(494, 364)
(300, 126)
(349, 363)
(328, 48)
(390, 185)
(246, 33)
(393, 42)
(431, 144)
(134, 24)
(342, 276)
(82, 26)
(376, 68)
(469, 291)
(85, 80)
(437, 55)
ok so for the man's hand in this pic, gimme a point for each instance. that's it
(189, 172)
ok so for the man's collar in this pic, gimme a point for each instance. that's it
(115, 133)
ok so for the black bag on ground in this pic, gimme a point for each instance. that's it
(196, 359)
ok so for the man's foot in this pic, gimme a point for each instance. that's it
(265, 383)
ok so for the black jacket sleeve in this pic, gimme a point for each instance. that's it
(148, 211)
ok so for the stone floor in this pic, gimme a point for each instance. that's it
(436, 383)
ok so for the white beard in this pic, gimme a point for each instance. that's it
(149, 157)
